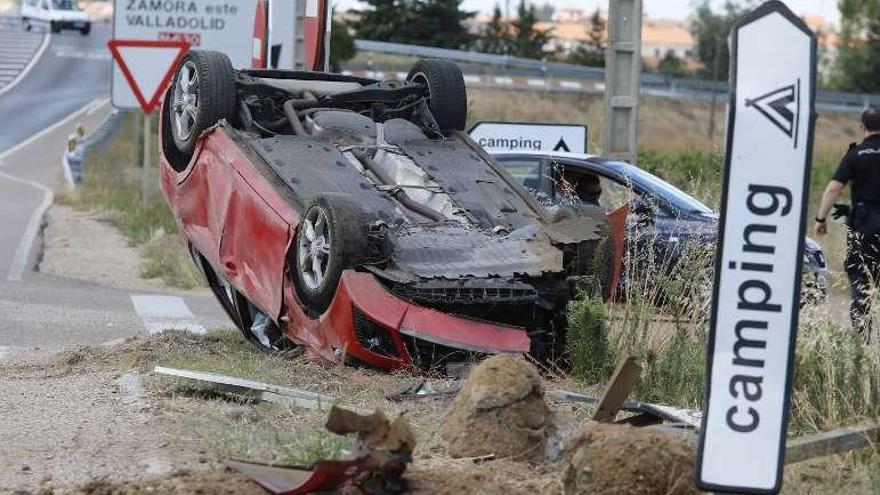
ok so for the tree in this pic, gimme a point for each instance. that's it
(596, 36)
(858, 59)
(545, 12)
(495, 37)
(440, 23)
(420, 22)
(592, 52)
(527, 41)
(671, 65)
(711, 30)
(383, 19)
(342, 46)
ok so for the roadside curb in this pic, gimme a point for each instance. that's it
(32, 238)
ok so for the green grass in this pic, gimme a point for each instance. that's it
(114, 184)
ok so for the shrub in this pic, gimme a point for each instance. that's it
(587, 340)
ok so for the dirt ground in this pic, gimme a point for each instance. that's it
(70, 250)
(63, 424)
(95, 421)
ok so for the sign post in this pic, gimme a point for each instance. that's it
(510, 137)
(760, 251)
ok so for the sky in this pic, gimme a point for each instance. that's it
(674, 9)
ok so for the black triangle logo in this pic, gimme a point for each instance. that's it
(781, 107)
(561, 146)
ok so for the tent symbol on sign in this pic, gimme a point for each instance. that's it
(782, 107)
(561, 146)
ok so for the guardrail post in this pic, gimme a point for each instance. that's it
(623, 69)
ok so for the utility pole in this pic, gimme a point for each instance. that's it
(623, 77)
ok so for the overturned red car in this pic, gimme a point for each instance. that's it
(354, 218)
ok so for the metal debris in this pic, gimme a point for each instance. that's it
(832, 442)
(685, 417)
(256, 390)
(422, 390)
(382, 452)
(621, 385)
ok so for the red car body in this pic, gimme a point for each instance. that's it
(243, 227)
(418, 242)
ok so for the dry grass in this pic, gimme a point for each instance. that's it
(666, 125)
(113, 185)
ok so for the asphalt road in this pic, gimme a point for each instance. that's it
(67, 85)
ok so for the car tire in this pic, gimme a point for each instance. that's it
(447, 95)
(26, 24)
(85, 30)
(55, 27)
(202, 94)
(329, 238)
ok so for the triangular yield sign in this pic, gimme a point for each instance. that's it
(148, 66)
(775, 105)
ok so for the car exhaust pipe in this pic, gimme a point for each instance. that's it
(398, 194)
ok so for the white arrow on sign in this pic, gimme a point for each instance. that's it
(760, 251)
(148, 66)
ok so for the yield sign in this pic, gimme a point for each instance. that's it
(148, 66)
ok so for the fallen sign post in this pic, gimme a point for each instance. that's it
(760, 247)
(256, 390)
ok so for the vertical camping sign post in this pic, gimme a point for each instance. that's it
(760, 251)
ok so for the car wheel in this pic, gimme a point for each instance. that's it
(328, 238)
(26, 23)
(85, 30)
(55, 27)
(203, 93)
(447, 95)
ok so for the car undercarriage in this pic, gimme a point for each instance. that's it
(381, 181)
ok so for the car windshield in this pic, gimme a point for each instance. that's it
(679, 199)
(64, 5)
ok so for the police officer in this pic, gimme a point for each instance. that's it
(860, 168)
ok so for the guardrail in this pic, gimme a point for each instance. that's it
(657, 84)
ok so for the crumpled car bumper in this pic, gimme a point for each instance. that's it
(369, 323)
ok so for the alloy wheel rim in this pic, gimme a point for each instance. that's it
(186, 101)
(313, 246)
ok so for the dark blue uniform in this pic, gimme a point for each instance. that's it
(861, 169)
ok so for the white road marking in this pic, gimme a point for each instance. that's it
(29, 66)
(161, 313)
(90, 55)
(536, 82)
(22, 252)
(570, 85)
(503, 80)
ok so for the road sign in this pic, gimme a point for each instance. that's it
(760, 252)
(499, 137)
(206, 24)
(148, 67)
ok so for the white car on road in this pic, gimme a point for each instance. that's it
(56, 15)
